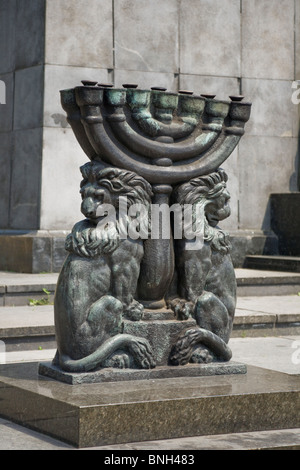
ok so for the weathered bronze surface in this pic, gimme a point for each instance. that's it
(155, 149)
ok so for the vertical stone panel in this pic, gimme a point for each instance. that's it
(61, 177)
(30, 33)
(7, 108)
(210, 37)
(146, 35)
(297, 40)
(273, 113)
(26, 179)
(7, 35)
(268, 39)
(267, 166)
(79, 32)
(28, 97)
(5, 173)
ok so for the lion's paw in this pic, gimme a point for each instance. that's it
(118, 361)
(202, 355)
(134, 311)
(142, 353)
(182, 309)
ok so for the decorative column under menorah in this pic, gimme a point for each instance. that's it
(130, 300)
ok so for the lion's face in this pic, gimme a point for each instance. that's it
(101, 191)
(93, 197)
(218, 209)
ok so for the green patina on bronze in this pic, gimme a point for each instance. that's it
(155, 148)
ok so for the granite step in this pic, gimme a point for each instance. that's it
(256, 282)
(268, 304)
(32, 327)
(17, 289)
(273, 263)
(277, 353)
(22, 288)
(25, 328)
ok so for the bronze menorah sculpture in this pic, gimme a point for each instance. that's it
(127, 298)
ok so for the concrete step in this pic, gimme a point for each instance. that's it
(268, 304)
(276, 353)
(18, 289)
(25, 328)
(267, 316)
(255, 282)
(273, 263)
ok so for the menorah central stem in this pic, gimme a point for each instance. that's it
(157, 267)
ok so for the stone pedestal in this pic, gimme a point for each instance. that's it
(162, 331)
(106, 375)
(111, 413)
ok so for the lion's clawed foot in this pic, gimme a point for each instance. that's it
(118, 361)
(202, 355)
(134, 311)
(134, 353)
(189, 349)
(182, 308)
(142, 353)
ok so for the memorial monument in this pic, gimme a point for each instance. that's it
(148, 281)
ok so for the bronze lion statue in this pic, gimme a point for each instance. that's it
(98, 281)
(206, 278)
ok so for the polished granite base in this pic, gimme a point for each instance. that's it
(90, 415)
(161, 372)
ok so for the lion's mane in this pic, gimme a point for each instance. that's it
(88, 240)
(203, 190)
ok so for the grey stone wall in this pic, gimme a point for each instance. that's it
(208, 46)
(21, 69)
